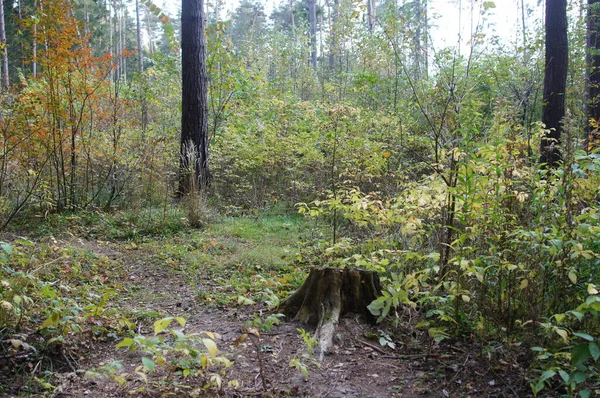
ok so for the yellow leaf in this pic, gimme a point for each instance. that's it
(161, 325)
(466, 298)
(563, 333)
(573, 277)
(51, 321)
(591, 289)
(524, 284)
(142, 376)
(211, 347)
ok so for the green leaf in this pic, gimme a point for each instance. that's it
(148, 364)
(245, 301)
(594, 350)
(6, 247)
(161, 325)
(579, 377)
(585, 394)
(488, 4)
(375, 307)
(546, 375)
(24, 242)
(127, 342)
(577, 315)
(564, 375)
(211, 347)
(51, 321)
(573, 277)
(584, 336)
(580, 353)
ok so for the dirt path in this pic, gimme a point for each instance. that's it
(359, 367)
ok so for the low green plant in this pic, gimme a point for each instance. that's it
(309, 341)
(176, 353)
(574, 356)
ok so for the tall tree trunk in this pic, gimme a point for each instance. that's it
(425, 40)
(34, 45)
(139, 37)
(524, 27)
(149, 31)
(3, 48)
(292, 17)
(312, 19)
(555, 80)
(333, 35)
(371, 15)
(194, 118)
(593, 64)
(124, 38)
(141, 68)
(418, 52)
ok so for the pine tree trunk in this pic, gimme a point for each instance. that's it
(194, 172)
(3, 48)
(312, 19)
(327, 295)
(593, 64)
(555, 80)
(144, 111)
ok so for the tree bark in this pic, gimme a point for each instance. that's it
(371, 15)
(593, 81)
(140, 54)
(194, 172)
(328, 294)
(3, 48)
(555, 80)
(312, 19)
(333, 35)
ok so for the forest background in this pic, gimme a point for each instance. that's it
(422, 162)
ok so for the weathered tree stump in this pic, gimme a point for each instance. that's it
(328, 294)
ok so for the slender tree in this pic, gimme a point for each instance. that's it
(333, 17)
(312, 20)
(593, 63)
(555, 80)
(371, 15)
(141, 68)
(3, 48)
(194, 172)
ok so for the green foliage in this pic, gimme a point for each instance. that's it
(55, 300)
(308, 340)
(179, 355)
(572, 358)
(522, 243)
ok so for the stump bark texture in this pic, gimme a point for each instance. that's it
(330, 293)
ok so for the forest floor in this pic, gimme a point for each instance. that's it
(225, 279)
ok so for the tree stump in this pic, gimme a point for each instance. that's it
(328, 294)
